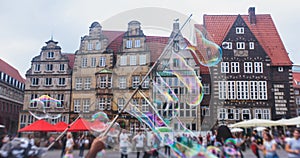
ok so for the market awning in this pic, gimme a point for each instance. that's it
(39, 126)
(60, 126)
(79, 125)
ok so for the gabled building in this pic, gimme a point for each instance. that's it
(296, 85)
(12, 86)
(254, 78)
(49, 74)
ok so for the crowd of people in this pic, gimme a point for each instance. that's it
(221, 143)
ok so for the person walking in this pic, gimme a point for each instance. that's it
(166, 144)
(256, 141)
(293, 145)
(124, 143)
(140, 140)
(69, 146)
(81, 143)
(269, 146)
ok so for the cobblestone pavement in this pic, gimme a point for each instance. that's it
(114, 154)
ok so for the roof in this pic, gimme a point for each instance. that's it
(11, 71)
(71, 58)
(264, 30)
(117, 37)
(296, 79)
(38, 126)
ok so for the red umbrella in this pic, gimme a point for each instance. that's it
(79, 125)
(39, 126)
(60, 126)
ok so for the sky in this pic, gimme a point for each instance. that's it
(27, 25)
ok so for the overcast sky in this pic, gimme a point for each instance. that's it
(26, 25)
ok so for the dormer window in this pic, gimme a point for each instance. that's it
(128, 44)
(280, 69)
(240, 45)
(50, 55)
(137, 43)
(239, 30)
(251, 45)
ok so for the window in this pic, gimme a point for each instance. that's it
(33, 104)
(128, 44)
(224, 67)
(246, 114)
(239, 30)
(227, 45)
(60, 97)
(93, 62)
(98, 45)
(102, 81)
(253, 90)
(222, 89)
(222, 114)
(123, 61)
(175, 62)
(78, 83)
(297, 92)
(87, 83)
(49, 67)
(30, 119)
(233, 114)
(86, 105)
(61, 67)
(102, 61)
(122, 82)
(235, 68)
(23, 121)
(84, 62)
(262, 88)
(205, 111)
(132, 60)
(297, 100)
(137, 43)
(61, 81)
(108, 104)
(242, 90)
(240, 45)
(77, 105)
(34, 81)
(50, 55)
(231, 90)
(101, 104)
(142, 59)
(90, 46)
(258, 67)
(109, 82)
(206, 89)
(266, 114)
(280, 69)
(247, 67)
(48, 81)
(146, 82)
(121, 103)
(251, 45)
(145, 106)
(135, 81)
(37, 67)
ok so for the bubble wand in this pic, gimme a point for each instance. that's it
(145, 77)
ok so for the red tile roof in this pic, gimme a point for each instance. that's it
(71, 58)
(264, 30)
(115, 39)
(11, 71)
(296, 79)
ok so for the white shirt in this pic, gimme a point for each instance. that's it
(123, 140)
(69, 143)
(139, 140)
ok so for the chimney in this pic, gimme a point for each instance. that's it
(252, 18)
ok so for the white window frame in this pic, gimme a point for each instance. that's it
(48, 81)
(205, 111)
(78, 83)
(222, 89)
(245, 112)
(93, 62)
(60, 97)
(122, 82)
(135, 81)
(266, 114)
(146, 83)
(235, 67)
(34, 81)
(206, 88)
(102, 61)
(87, 83)
(61, 67)
(224, 67)
(61, 81)
(103, 81)
(84, 62)
(34, 104)
(37, 67)
(280, 69)
(123, 60)
(143, 59)
(262, 88)
(242, 90)
(101, 103)
(145, 105)
(76, 105)
(132, 60)
(50, 55)
(297, 100)
(222, 114)
(98, 46)
(253, 90)
(248, 67)
(258, 67)
(128, 44)
(137, 43)
(86, 105)
(258, 112)
(240, 45)
(121, 103)
(239, 30)
(90, 46)
(231, 88)
(49, 67)
(251, 45)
